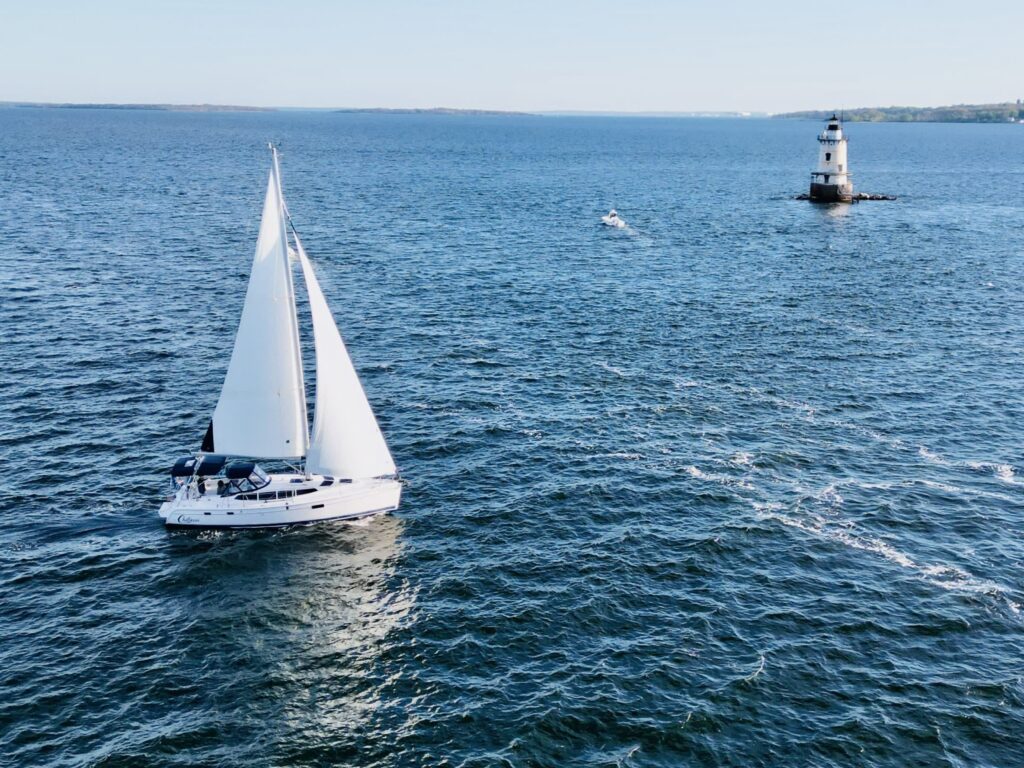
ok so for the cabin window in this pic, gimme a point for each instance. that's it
(840, 167)
(828, 156)
(826, 178)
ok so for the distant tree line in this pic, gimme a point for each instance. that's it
(958, 113)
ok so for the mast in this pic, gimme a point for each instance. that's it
(297, 346)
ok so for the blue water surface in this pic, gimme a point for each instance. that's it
(741, 484)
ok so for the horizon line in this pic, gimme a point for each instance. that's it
(197, 106)
(209, 106)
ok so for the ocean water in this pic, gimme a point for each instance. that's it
(742, 484)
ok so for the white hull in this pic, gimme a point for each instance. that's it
(340, 501)
(613, 221)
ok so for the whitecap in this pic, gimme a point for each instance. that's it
(757, 672)
(1001, 471)
(712, 477)
(957, 490)
(829, 495)
(932, 457)
(612, 369)
(1005, 473)
(945, 576)
(742, 458)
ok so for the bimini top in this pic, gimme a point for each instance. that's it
(187, 466)
(184, 467)
(211, 464)
(239, 469)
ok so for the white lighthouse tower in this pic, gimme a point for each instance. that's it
(830, 181)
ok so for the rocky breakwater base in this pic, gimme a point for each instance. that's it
(855, 198)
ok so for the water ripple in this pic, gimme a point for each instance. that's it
(739, 485)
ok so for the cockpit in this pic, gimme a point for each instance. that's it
(230, 477)
(244, 476)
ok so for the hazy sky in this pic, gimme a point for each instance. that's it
(650, 55)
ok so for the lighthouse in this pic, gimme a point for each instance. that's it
(830, 181)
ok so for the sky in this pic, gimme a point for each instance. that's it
(531, 55)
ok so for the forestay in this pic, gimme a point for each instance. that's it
(262, 407)
(346, 440)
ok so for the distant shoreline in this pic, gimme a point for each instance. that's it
(143, 107)
(1004, 112)
(691, 114)
(429, 111)
(241, 108)
(381, 110)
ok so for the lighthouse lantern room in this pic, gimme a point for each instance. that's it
(830, 181)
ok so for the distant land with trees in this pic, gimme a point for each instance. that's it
(425, 111)
(1005, 112)
(149, 107)
(238, 108)
(958, 113)
(241, 108)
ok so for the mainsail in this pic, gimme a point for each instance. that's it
(262, 406)
(346, 440)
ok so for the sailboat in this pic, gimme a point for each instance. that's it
(342, 470)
